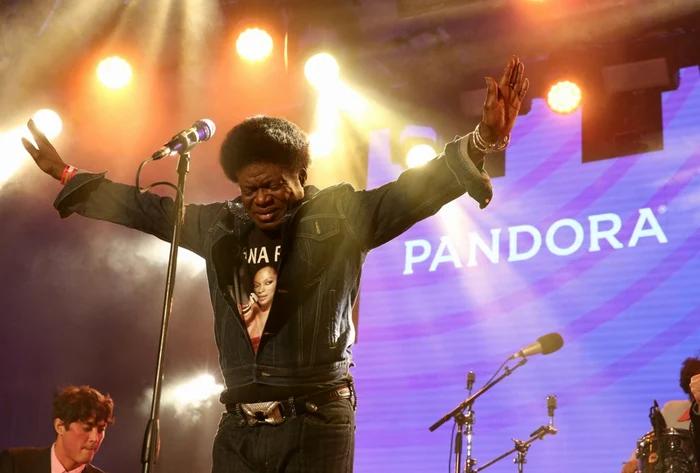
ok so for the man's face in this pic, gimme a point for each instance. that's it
(79, 441)
(268, 192)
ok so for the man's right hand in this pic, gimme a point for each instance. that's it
(630, 466)
(45, 156)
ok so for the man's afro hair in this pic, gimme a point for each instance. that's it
(265, 139)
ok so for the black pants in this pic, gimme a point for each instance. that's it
(322, 442)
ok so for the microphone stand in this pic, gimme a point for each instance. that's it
(462, 420)
(522, 447)
(151, 441)
(469, 462)
(470, 400)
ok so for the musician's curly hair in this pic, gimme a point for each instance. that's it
(82, 404)
(265, 139)
(689, 368)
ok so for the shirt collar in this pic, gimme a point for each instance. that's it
(57, 467)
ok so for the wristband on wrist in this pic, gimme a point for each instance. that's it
(68, 172)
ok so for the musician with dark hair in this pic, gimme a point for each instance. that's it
(681, 415)
(693, 377)
(80, 417)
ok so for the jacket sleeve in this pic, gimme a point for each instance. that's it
(378, 215)
(94, 196)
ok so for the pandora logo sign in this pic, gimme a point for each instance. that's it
(526, 241)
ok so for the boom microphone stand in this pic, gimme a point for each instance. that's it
(522, 447)
(470, 400)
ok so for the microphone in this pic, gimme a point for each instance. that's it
(471, 379)
(551, 407)
(546, 344)
(184, 141)
(658, 422)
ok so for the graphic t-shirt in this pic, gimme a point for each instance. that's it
(259, 280)
(255, 283)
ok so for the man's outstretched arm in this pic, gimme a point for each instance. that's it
(379, 215)
(94, 196)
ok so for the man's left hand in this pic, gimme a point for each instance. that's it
(695, 387)
(503, 99)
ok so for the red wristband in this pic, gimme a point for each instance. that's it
(68, 173)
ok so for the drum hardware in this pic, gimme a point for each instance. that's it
(671, 451)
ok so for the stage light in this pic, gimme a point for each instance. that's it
(321, 70)
(321, 143)
(419, 154)
(14, 154)
(48, 122)
(197, 391)
(114, 72)
(564, 97)
(254, 44)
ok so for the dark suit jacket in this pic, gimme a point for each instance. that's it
(31, 460)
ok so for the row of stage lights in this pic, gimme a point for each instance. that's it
(321, 71)
(255, 45)
(252, 45)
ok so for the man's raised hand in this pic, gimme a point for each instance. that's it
(503, 100)
(44, 154)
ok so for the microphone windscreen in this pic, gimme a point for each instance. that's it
(207, 127)
(550, 343)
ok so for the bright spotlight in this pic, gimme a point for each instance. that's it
(114, 72)
(197, 391)
(322, 70)
(419, 155)
(254, 44)
(14, 155)
(48, 122)
(321, 143)
(564, 97)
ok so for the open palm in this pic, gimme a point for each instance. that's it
(503, 100)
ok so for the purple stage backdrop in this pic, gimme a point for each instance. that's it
(605, 253)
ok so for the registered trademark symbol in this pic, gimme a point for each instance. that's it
(662, 209)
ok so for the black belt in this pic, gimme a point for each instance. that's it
(275, 412)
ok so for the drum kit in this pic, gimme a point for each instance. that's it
(665, 450)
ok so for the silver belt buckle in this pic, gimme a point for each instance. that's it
(263, 413)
